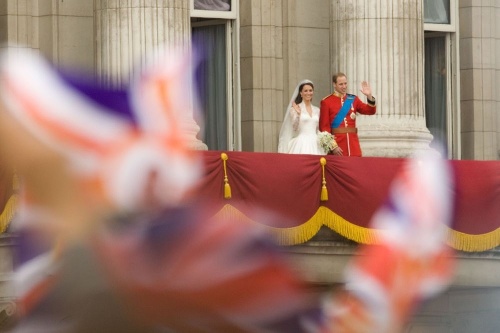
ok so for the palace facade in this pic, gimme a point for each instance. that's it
(434, 66)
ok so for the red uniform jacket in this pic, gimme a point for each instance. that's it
(330, 106)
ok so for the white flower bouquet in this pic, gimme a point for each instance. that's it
(327, 142)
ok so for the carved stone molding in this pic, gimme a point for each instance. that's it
(8, 310)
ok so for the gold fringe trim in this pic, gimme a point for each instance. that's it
(325, 217)
(304, 232)
(324, 190)
(227, 188)
(473, 243)
(8, 213)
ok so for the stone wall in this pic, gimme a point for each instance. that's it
(282, 43)
(459, 310)
(61, 30)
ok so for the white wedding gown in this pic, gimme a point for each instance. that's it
(305, 137)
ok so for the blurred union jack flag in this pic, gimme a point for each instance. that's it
(411, 261)
(178, 268)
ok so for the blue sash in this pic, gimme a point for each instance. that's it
(343, 111)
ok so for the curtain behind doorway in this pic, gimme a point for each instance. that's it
(435, 89)
(209, 43)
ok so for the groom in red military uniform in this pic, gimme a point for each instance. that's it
(338, 115)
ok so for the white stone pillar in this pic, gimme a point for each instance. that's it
(130, 31)
(382, 42)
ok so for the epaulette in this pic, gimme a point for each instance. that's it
(326, 97)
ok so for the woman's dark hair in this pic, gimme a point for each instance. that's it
(298, 99)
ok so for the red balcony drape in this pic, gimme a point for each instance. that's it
(282, 193)
(288, 188)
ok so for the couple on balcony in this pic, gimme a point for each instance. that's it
(304, 126)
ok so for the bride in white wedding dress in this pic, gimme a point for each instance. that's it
(299, 132)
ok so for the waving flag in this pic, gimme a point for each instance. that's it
(227, 278)
(122, 151)
(112, 139)
(167, 265)
(411, 261)
(191, 273)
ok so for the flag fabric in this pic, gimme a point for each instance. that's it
(191, 273)
(125, 148)
(411, 261)
(167, 265)
(229, 278)
(113, 139)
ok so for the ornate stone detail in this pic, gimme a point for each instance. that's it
(8, 309)
(9, 306)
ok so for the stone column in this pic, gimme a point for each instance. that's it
(129, 31)
(382, 42)
(480, 79)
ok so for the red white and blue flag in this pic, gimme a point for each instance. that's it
(411, 262)
(181, 269)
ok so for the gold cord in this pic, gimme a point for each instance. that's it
(324, 190)
(227, 188)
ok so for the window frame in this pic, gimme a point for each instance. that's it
(452, 38)
(233, 80)
(443, 27)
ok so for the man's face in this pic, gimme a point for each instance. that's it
(341, 85)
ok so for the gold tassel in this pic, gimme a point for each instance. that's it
(324, 190)
(11, 206)
(227, 188)
(8, 213)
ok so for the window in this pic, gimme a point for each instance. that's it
(209, 43)
(221, 9)
(219, 5)
(437, 11)
(216, 45)
(442, 74)
(440, 15)
(436, 111)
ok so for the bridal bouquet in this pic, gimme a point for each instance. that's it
(327, 141)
